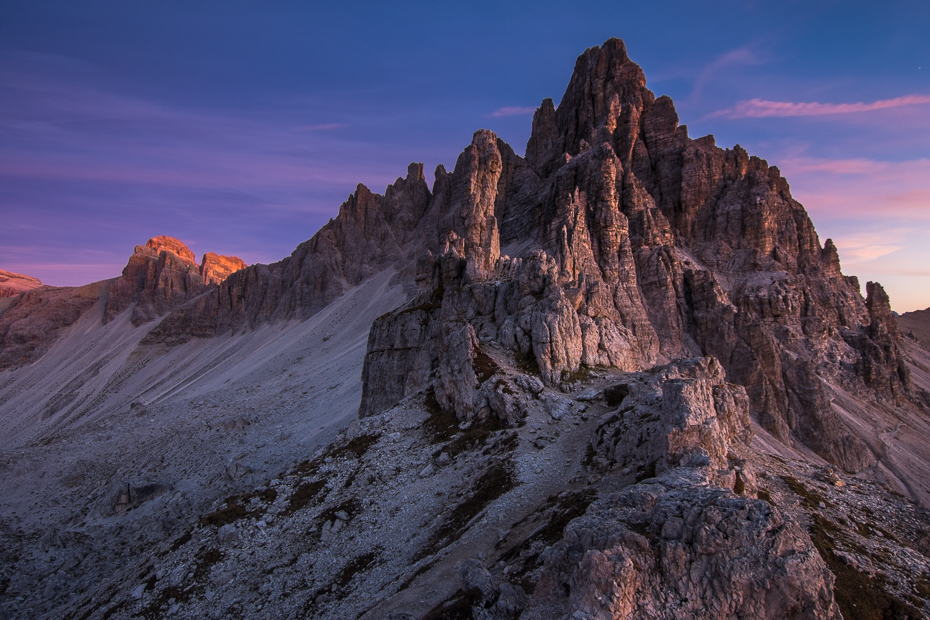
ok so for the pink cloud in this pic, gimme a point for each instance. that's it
(511, 111)
(835, 166)
(761, 108)
(860, 188)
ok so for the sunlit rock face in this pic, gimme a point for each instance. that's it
(215, 268)
(12, 284)
(160, 275)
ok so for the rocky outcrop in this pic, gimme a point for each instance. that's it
(214, 268)
(12, 284)
(675, 549)
(160, 275)
(678, 529)
(683, 415)
(693, 541)
(370, 234)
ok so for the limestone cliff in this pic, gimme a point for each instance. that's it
(163, 274)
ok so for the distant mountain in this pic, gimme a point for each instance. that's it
(916, 324)
(160, 275)
(12, 284)
(619, 377)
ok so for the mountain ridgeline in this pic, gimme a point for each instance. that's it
(618, 377)
(617, 241)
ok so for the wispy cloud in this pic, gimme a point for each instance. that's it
(867, 246)
(860, 187)
(321, 127)
(746, 55)
(512, 111)
(762, 108)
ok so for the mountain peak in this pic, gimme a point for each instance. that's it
(604, 100)
(162, 243)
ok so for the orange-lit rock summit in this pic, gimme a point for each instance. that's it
(12, 284)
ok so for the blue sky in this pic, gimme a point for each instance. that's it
(239, 127)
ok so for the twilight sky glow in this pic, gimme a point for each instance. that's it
(239, 127)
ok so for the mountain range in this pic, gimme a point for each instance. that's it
(617, 377)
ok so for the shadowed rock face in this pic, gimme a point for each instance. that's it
(36, 318)
(916, 325)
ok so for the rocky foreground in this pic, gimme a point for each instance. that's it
(619, 377)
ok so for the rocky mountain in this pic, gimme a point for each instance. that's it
(160, 276)
(12, 284)
(619, 377)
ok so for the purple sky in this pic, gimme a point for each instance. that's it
(239, 127)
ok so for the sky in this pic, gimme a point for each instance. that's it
(240, 127)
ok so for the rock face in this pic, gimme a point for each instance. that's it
(370, 234)
(159, 277)
(36, 318)
(691, 542)
(12, 284)
(668, 550)
(619, 241)
(917, 326)
(215, 268)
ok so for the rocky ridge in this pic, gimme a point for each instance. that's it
(12, 284)
(409, 515)
(163, 274)
(214, 268)
(633, 245)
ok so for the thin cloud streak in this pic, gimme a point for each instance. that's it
(512, 111)
(844, 188)
(868, 246)
(321, 127)
(741, 56)
(762, 108)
